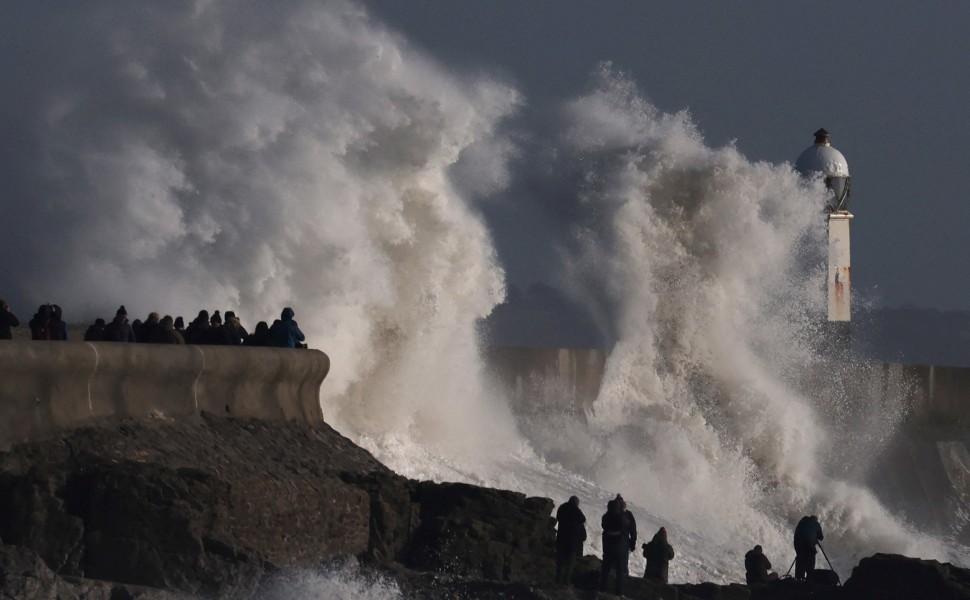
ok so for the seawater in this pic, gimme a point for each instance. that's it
(248, 156)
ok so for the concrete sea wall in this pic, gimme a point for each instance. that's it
(572, 377)
(48, 387)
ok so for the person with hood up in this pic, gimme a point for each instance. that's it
(619, 537)
(95, 333)
(285, 333)
(808, 533)
(570, 535)
(7, 320)
(40, 323)
(658, 553)
(166, 333)
(147, 332)
(198, 330)
(757, 566)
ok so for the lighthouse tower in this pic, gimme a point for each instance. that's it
(822, 160)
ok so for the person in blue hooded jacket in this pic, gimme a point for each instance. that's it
(285, 333)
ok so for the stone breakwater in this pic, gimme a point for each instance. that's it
(218, 507)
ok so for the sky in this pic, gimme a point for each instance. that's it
(888, 80)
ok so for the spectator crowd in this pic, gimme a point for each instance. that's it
(48, 324)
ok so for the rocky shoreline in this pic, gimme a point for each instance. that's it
(223, 508)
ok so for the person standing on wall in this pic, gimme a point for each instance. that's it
(7, 320)
(808, 533)
(570, 535)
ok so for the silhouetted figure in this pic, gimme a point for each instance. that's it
(136, 328)
(7, 320)
(40, 323)
(617, 542)
(570, 535)
(95, 333)
(198, 329)
(237, 333)
(119, 330)
(56, 326)
(757, 567)
(180, 325)
(658, 554)
(217, 334)
(146, 333)
(260, 336)
(808, 533)
(285, 333)
(166, 333)
(631, 523)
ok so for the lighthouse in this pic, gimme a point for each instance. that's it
(822, 160)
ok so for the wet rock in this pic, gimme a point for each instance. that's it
(219, 507)
(891, 577)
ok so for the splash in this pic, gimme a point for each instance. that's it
(248, 156)
(698, 259)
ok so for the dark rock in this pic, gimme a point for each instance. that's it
(219, 507)
(483, 533)
(890, 576)
(24, 575)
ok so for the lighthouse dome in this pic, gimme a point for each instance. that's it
(821, 157)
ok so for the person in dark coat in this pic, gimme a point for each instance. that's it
(757, 567)
(95, 333)
(286, 333)
(617, 541)
(237, 333)
(217, 334)
(259, 336)
(198, 330)
(119, 330)
(570, 535)
(166, 333)
(658, 553)
(808, 533)
(146, 333)
(56, 326)
(180, 326)
(40, 322)
(7, 320)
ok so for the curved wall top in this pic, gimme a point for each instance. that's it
(49, 387)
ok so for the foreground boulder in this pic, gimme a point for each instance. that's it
(892, 577)
(228, 508)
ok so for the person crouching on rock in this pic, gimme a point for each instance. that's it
(570, 535)
(617, 541)
(808, 533)
(658, 554)
(756, 567)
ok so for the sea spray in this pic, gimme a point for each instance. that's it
(695, 259)
(247, 156)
